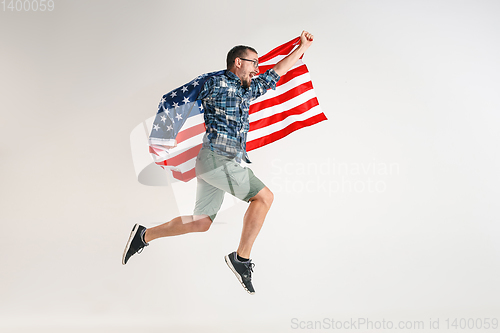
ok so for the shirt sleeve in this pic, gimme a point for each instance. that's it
(264, 82)
(207, 89)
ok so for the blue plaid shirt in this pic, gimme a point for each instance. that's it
(226, 104)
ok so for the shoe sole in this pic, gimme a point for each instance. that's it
(132, 235)
(230, 265)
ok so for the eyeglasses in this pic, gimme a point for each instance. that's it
(255, 62)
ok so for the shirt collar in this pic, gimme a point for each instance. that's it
(233, 76)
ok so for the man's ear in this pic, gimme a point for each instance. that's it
(237, 62)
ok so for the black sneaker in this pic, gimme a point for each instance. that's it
(243, 271)
(135, 243)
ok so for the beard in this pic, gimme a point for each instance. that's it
(246, 83)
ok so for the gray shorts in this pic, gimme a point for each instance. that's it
(217, 174)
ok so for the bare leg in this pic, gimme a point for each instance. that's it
(178, 226)
(253, 220)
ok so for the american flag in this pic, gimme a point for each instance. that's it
(274, 115)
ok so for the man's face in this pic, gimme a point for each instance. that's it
(248, 69)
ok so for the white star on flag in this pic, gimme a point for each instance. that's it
(184, 89)
(169, 128)
(173, 94)
(175, 105)
(156, 127)
(195, 83)
(178, 116)
(186, 100)
(163, 118)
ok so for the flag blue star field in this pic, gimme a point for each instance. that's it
(179, 120)
(178, 109)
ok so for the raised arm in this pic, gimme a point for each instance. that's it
(286, 63)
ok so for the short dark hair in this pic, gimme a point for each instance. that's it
(237, 52)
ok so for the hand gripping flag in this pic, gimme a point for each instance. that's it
(274, 115)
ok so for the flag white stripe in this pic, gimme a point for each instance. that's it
(276, 59)
(272, 61)
(256, 134)
(190, 122)
(193, 121)
(296, 81)
(261, 132)
(187, 166)
(297, 64)
(182, 147)
(283, 107)
(188, 143)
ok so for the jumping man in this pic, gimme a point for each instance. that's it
(226, 100)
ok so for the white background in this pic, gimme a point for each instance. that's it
(411, 85)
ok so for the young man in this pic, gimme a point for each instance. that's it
(226, 100)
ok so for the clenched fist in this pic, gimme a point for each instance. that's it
(306, 39)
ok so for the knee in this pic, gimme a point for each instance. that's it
(269, 198)
(266, 196)
(203, 224)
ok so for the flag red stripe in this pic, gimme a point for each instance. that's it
(302, 69)
(186, 176)
(288, 95)
(152, 151)
(284, 114)
(263, 69)
(262, 141)
(190, 132)
(292, 74)
(182, 157)
(283, 49)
